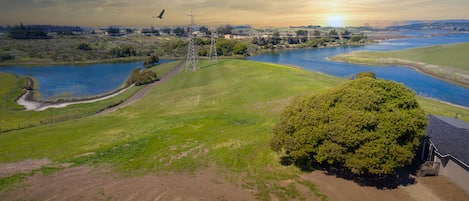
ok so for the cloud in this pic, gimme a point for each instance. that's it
(273, 12)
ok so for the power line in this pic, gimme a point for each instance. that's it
(212, 57)
(192, 60)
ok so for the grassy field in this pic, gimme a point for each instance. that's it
(12, 115)
(449, 62)
(222, 116)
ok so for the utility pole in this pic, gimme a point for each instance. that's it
(212, 57)
(192, 60)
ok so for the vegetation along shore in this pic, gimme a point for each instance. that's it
(447, 62)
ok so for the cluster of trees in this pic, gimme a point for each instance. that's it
(224, 47)
(139, 77)
(178, 31)
(305, 39)
(29, 32)
(150, 61)
(6, 57)
(367, 125)
(124, 51)
(84, 46)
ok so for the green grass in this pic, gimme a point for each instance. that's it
(221, 115)
(454, 55)
(447, 62)
(12, 115)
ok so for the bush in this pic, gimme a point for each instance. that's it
(365, 74)
(139, 77)
(150, 61)
(6, 57)
(366, 125)
(84, 46)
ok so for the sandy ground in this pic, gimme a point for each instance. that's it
(86, 183)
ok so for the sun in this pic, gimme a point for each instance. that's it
(335, 21)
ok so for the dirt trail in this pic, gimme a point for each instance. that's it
(145, 90)
(86, 183)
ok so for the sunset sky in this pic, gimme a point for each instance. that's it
(236, 12)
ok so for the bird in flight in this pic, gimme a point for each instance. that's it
(160, 16)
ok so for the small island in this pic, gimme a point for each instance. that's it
(446, 62)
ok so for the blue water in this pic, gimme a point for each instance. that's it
(76, 81)
(315, 60)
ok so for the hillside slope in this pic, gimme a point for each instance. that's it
(218, 120)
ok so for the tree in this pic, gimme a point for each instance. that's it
(179, 31)
(27, 32)
(333, 34)
(224, 29)
(150, 61)
(113, 30)
(205, 31)
(317, 33)
(365, 74)
(367, 125)
(167, 30)
(139, 77)
(240, 48)
(301, 33)
(84, 46)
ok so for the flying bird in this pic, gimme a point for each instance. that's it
(160, 16)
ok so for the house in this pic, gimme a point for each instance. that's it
(447, 146)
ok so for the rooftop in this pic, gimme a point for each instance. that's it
(450, 137)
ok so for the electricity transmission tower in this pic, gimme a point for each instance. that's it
(212, 57)
(192, 60)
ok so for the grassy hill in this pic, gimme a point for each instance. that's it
(449, 62)
(222, 116)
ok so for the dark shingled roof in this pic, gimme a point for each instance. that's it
(450, 137)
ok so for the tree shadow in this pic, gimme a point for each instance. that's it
(400, 177)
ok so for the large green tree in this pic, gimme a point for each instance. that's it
(369, 126)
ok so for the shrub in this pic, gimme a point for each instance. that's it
(365, 74)
(366, 125)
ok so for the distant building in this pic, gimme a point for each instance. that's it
(447, 146)
(237, 36)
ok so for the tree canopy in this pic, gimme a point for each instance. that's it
(27, 32)
(367, 125)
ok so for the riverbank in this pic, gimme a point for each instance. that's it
(30, 104)
(446, 73)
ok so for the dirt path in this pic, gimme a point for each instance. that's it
(145, 90)
(86, 183)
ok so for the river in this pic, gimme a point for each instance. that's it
(424, 85)
(76, 81)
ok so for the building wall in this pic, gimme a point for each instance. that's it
(454, 171)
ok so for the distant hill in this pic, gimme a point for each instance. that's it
(452, 24)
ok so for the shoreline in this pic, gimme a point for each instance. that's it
(420, 67)
(32, 105)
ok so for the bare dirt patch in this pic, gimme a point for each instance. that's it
(26, 166)
(423, 189)
(86, 183)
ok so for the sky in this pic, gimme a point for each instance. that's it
(138, 13)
